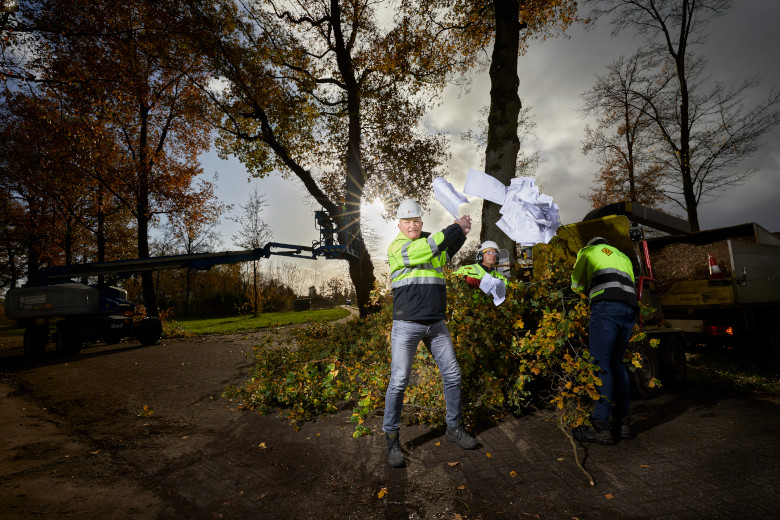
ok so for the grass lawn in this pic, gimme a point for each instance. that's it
(231, 324)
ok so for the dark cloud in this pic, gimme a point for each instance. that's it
(553, 75)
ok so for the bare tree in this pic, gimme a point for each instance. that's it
(254, 233)
(706, 130)
(624, 139)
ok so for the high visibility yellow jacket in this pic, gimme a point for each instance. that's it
(606, 273)
(419, 290)
(478, 271)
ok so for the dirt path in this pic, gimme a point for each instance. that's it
(73, 444)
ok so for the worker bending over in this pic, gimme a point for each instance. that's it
(608, 277)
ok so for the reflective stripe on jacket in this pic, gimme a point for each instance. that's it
(606, 273)
(417, 278)
(478, 271)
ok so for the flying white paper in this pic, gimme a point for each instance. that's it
(447, 196)
(485, 186)
(528, 217)
(493, 287)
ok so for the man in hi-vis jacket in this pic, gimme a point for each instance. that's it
(487, 257)
(608, 277)
(419, 305)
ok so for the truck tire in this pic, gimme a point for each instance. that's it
(650, 369)
(674, 366)
(35, 339)
(68, 339)
(149, 331)
(770, 331)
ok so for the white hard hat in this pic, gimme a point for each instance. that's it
(597, 240)
(408, 209)
(488, 244)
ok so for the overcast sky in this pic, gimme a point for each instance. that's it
(553, 75)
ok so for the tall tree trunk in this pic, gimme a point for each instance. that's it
(254, 285)
(689, 194)
(503, 144)
(147, 278)
(33, 250)
(8, 242)
(100, 232)
(691, 204)
(143, 215)
(361, 270)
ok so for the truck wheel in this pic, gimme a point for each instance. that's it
(651, 369)
(68, 340)
(149, 331)
(770, 331)
(35, 339)
(673, 362)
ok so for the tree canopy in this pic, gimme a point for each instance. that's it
(123, 91)
(333, 94)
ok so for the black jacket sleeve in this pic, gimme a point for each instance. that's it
(454, 238)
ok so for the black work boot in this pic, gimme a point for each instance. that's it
(464, 440)
(395, 457)
(598, 433)
(625, 430)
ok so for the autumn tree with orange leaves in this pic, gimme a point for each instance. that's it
(330, 93)
(129, 89)
(60, 207)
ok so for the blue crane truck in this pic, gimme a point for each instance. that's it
(72, 313)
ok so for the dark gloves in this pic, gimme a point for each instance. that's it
(473, 282)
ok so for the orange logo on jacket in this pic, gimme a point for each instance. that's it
(606, 251)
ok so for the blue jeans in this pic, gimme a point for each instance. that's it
(611, 324)
(405, 337)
